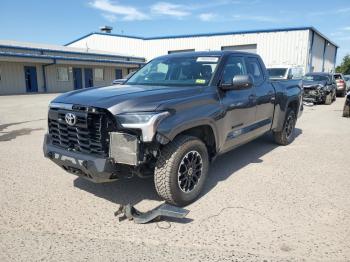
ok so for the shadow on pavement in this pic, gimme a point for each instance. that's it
(229, 163)
(15, 133)
(10, 135)
(4, 126)
(134, 190)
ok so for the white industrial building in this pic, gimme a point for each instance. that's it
(39, 68)
(300, 46)
(98, 58)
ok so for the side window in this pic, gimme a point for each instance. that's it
(254, 69)
(234, 66)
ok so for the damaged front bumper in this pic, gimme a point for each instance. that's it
(314, 96)
(122, 159)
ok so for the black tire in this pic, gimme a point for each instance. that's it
(328, 99)
(334, 97)
(287, 135)
(170, 185)
(346, 111)
(343, 94)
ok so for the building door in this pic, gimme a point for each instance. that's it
(77, 78)
(118, 73)
(88, 77)
(31, 79)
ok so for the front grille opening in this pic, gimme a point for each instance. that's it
(89, 134)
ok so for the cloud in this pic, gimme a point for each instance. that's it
(110, 17)
(207, 17)
(346, 28)
(256, 18)
(166, 8)
(128, 13)
(344, 10)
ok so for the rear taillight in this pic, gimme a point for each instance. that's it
(341, 81)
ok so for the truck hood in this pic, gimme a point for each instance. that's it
(127, 98)
(308, 84)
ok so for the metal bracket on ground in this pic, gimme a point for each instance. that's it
(164, 210)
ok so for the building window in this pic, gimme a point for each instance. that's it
(99, 74)
(62, 74)
(180, 51)
(0, 74)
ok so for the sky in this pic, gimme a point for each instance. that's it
(61, 21)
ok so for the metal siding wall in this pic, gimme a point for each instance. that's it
(274, 47)
(329, 58)
(12, 78)
(53, 85)
(128, 46)
(317, 53)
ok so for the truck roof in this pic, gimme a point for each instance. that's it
(319, 73)
(207, 53)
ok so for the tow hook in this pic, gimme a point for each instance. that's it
(164, 210)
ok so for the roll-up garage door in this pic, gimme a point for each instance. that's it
(246, 48)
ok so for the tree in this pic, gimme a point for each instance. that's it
(344, 66)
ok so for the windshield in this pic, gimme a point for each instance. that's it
(277, 72)
(315, 78)
(176, 71)
(337, 77)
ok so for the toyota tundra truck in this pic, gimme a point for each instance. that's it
(170, 120)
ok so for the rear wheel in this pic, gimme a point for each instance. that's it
(287, 135)
(181, 170)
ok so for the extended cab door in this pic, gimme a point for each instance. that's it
(239, 105)
(265, 95)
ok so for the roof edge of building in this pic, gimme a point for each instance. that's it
(210, 34)
(53, 57)
(69, 51)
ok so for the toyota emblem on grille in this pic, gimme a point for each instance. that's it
(71, 119)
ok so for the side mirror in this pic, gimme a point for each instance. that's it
(290, 77)
(118, 82)
(239, 82)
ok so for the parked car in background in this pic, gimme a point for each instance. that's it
(347, 81)
(285, 72)
(123, 80)
(346, 111)
(170, 119)
(341, 84)
(319, 88)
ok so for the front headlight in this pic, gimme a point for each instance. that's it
(146, 121)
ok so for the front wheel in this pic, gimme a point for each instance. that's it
(287, 135)
(181, 170)
(328, 99)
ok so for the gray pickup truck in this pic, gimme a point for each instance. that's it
(170, 120)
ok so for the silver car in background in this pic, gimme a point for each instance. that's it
(347, 81)
(341, 84)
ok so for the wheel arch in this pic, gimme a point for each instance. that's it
(203, 130)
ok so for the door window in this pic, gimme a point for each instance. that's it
(234, 66)
(254, 69)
